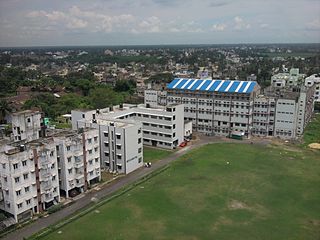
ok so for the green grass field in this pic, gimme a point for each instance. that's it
(154, 154)
(312, 131)
(263, 193)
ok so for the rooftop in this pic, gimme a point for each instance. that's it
(230, 86)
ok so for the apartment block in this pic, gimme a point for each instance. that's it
(153, 98)
(124, 129)
(26, 125)
(29, 178)
(314, 80)
(78, 158)
(121, 148)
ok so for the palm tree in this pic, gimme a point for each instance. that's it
(4, 109)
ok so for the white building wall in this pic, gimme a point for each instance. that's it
(26, 125)
(19, 183)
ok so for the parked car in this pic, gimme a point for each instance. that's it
(183, 144)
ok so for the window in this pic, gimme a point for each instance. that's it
(105, 134)
(118, 136)
(96, 160)
(119, 157)
(106, 144)
(25, 176)
(53, 178)
(3, 165)
(15, 165)
(18, 193)
(24, 163)
(140, 159)
(69, 159)
(106, 154)
(90, 162)
(118, 147)
(139, 150)
(95, 139)
(27, 189)
(19, 205)
(17, 179)
(68, 148)
(70, 170)
(139, 130)
(28, 201)
(90, 151)
(96, 149)
(89, 140)
(139, 140)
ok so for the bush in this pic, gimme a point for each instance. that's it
(54, 208)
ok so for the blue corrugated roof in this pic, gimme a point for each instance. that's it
(212, 85)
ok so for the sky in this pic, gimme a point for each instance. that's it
(153, 22)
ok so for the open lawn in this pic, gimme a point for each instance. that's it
(263, 193)
(312, 131)
(154, 154)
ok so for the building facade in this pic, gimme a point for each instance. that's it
(121, 148)
(29, 178)
(124, 129)
(314, 80)
(215, 106)
(26, 125)
(221, 107)
(78, 158)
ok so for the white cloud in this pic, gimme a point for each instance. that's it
(151, 25)
(219, 27)
(264, 25)
(314, 25)
(240, 24)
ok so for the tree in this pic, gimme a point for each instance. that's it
(104, 97)
(4, 109)
(124, 86)
(85, 85)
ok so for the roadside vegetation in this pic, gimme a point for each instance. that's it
(220, 191)
(312, 131)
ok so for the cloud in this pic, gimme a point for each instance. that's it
(218, 3)
(240, 24)
(313, 25)
(151, 25)
(264, 25)
(219, 27)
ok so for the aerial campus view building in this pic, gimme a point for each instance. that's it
(38, 166)
(225, 107)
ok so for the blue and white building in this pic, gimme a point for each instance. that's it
(221, 107)
(215, 106)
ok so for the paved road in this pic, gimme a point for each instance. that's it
(108, 190)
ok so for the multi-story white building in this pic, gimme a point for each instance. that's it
(314, 80)
(78, 158)
(26, 125)
(222, 107)
(29, 178)
(121, 148)
(162, 126)
(154, 98)
(215, 106)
